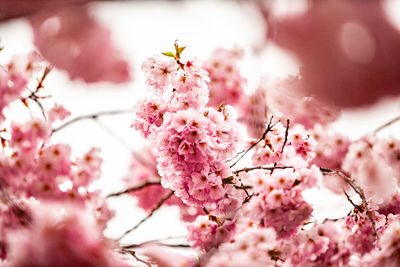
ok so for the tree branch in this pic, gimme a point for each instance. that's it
(133, 254)
(286, 134)
(267, 168)
(387, 124)
(92, 117)
(133, 189)
(269, 128)
(161, 244)
(159, 204)
(356, 189)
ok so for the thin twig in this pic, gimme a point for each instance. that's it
(92, 116)
(248, 198)
(237, 155)
(158, 240)
(47, 70)
(33, 95)
(267, 168)
(243, 186)
(159, 204)
(269, 128)
(161, 244)
(36, 100)
(133, 189)
(133, 254)
(113, 134)
(387, 124)
(356, 189)
(349, 199)
(286, 134)
(147, 163)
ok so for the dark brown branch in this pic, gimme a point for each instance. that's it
(269, 128)
(92, 117)
(243, 186)
(161, 244)
(45, 73)
(267, 168)
(36, 100)
(159, 204)
(248, 198)
(349, 199)
(133, 254)
(387, 124)
(356, 189)
(133, 189)
(33, 95)
(286, 135)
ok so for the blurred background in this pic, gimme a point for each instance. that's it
(266, 30)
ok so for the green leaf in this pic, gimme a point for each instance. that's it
(179, 50)
(168, 54)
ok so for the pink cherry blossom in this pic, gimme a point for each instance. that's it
(61, 236)
(226, 85)
(74, 51)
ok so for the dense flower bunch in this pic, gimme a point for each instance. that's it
(49, 215)
(61, 235)
(193, 141)
(226, 82)
(261, 217)
(243, 199)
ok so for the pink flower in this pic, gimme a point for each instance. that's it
(389, 247)
(254, 247)
(11, 87)
(331, 147)
(59, 41)
(61, 236)
(28, 136)
(226, 85)
(282, 209)
(159, 72)
(350, 39)
(286, 99)
(149, 115)
(254, 112)
(205, 234)
(88, 168)
(58, 112)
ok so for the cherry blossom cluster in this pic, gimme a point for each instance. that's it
(285, 99)
(47, 200)
(193, 141)
(61, 235)
(226, 81)
(244, 202)
(262, 218)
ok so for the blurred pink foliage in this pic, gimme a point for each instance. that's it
(72, 40)
(348, 50)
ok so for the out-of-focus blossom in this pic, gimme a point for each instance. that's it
(10, 10)
(348, 50)
(61, 235)
(72, 40)
(287, 99)
(226, 81)
(254, 112)
(58, 112)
